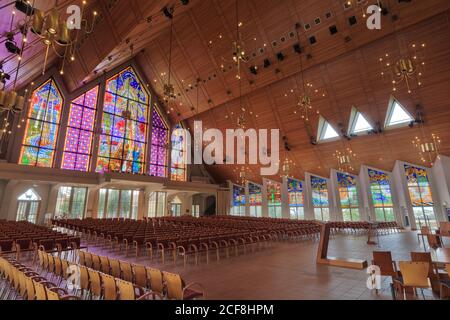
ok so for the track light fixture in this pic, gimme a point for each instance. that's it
(25, 7)
(168, 12)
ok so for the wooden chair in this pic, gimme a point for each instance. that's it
(433, 272)
(129, 291)
(105, 267)
(383, 259)
(96, 262)
(155, 280)
(95, 284)
(57, 294)
(126, 271)
(88, 259)
(178, 290)
(115, 268)
(415, 276)
(445, 284)
(140, 276)
(109, 287)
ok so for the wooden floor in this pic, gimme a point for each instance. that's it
(288, 270)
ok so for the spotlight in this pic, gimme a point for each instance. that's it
(267, 63)
(280, 56)
(12, 47)
(184, 2)
(25, 7)
(297, 48)
(168, 12)
(254, 70)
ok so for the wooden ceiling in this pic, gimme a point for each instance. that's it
(343, 68)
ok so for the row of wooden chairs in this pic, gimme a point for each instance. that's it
(165, 284)
(21, 282)
(419, 273)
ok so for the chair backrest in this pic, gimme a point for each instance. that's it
(434, 241)
(424, 257)
(447, 268)
(425, 230)
(127, 272)
(52, 295)
(109, 287)
(40, 291)
(115, 268)
(126, 290)
(64, 267)
(415, 274)
(84, 278)
(105, 268)
(156, 280)
(95, 284)
(88, 259)
(383, 259)
(31, 294)
(174, 286)
(96, 263)
(82, 260)
(140, 276)
(58, 266)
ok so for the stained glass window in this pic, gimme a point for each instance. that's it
(80, 132)
(295, 192)
(380, 190)
(348, 195)
(160, 135)
(420, 194)
(123, 139)
(43, 120)
(179, 154)
(238, 205)
(320, 198)
(255, 199)
(274, 198)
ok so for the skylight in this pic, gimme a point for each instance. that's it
(330, 133)
(397, 114)
(361, 124)
(326, 131)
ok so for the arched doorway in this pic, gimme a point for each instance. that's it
(28, 206)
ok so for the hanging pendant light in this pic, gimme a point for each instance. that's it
(63, 34)
(37, 26)
(52, 22)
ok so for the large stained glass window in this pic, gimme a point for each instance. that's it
(320, 198)
(80, 132)
(420, 194)
(179, 154)
(123, 138)
(348, 195)
(43, 120)
(380, 189)
(255, 199)
(274, 199)
(238, 205)
(295, 191)
(160, 139)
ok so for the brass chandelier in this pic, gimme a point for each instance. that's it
(345, 159)
(427, 147)
(56, 32)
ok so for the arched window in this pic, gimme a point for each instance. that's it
(419, 190)
(179, 154)
(320, 198)
(80, 132)
(160, 139)
(41, 132)
(380, 189)
(348, 195)
(123, 139)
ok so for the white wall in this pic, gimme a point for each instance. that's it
(441, 177)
